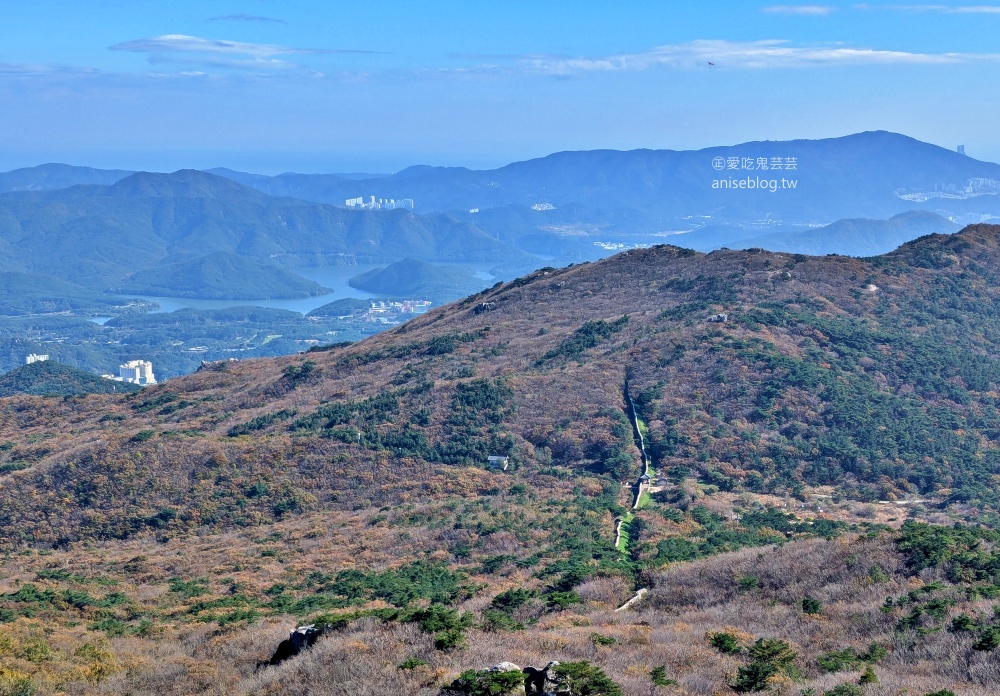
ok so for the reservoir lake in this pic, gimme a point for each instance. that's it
(334, 277)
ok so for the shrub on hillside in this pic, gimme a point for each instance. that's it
(753, 677)
(725, 643)
(811, 605)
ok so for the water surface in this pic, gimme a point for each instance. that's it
(334, 277)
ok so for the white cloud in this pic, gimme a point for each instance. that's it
(746, 55)
(813, 10)
(195, 50)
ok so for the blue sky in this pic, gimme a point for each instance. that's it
(271, 86)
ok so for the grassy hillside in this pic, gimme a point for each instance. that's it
(50, 378)
(180, 532)
(220, 276)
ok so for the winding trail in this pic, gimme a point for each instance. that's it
(640, 593)
(618, 531)
(640, 486)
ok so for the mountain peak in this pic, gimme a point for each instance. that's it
(184, 183)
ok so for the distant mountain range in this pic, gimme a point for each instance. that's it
(873, 174)
(862, 175)
(49, 177)
(220, 234)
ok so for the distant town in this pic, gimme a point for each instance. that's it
(372, 203)
(615, 246)
(977, 186)
(382, 311)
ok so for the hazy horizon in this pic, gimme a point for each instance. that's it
(271, 87)
(385, 172)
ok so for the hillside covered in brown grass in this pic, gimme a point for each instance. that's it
(796, 411)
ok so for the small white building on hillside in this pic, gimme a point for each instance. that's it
(498, 461)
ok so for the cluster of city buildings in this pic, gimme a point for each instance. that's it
(35, 358)
(134, 372)
(978, 186)
(402, 307)
(372, 203)
(392, 313)
(615, 246)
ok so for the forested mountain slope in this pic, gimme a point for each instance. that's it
(256, 485)
(784, 394)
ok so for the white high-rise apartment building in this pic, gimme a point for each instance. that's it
(137, 372)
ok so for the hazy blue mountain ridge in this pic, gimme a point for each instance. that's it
(854, 237)
(97, 235)
(112, 230)
(57, 176)
(645, 191)
(853, 176)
